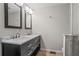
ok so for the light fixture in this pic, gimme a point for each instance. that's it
(29, 10)
(20, 4)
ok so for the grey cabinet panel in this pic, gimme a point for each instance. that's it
(10, 50)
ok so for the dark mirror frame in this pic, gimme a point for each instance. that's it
(30, 21)
(6, 16)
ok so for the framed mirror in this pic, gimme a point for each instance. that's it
(28, 20)
(13, 15)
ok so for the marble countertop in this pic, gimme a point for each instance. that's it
(21, 40)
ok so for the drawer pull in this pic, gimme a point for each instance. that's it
(29, 53)
(29, 45)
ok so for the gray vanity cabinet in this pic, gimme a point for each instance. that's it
(29, 48)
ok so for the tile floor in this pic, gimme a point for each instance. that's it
(47, 53)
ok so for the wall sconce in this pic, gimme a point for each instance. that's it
(20, 4)
(29, 10)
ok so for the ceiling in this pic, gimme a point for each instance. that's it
(36, 6)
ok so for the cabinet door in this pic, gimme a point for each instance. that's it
(10, 50)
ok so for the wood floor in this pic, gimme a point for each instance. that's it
(49, 53)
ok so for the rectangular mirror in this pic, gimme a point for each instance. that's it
(28, 21)
(13, 15)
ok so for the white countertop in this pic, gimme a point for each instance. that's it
(20, 40)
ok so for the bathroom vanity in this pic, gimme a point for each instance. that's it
(23, 46)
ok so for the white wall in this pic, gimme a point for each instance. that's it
(10, 31)
(75, 18)
(52, 28)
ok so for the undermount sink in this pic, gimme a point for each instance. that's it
(20, 39)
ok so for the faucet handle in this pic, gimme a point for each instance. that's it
(17, 35)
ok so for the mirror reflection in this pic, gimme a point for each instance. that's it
(28, 21)
(13, 15)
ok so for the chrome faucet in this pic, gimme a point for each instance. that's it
(17, 35)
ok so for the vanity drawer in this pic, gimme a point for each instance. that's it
(36, 39)
(24, 50)
(27, 52)
(25, 47)
(30, 51)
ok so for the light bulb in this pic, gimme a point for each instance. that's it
(20, 4)
(30, 11)
(27, 9)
